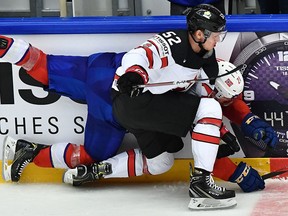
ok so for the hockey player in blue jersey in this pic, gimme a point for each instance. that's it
(87, 79)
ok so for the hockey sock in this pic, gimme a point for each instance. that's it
(43, 158)
(127, 164)
(134, 163)
(206, 134)
(63, 155)
(21, 53)
(205, 143)
(76, 154)
(39, 70)
(224, 168)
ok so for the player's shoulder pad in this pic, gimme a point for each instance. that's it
(178, 43)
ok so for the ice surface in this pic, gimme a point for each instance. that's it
(149, 199)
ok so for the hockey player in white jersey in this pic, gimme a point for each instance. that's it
(159, 116)
(134, 163)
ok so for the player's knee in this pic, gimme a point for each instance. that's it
(160, 164)
(209, 108)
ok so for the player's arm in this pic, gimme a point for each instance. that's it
(251, 125)
(244, 175)
(137, 63)
(236, 111)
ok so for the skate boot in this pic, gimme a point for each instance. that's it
(83, 174)
(21, 153)
(205, 194)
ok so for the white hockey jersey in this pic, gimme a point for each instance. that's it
(168, 56)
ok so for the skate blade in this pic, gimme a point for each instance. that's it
(9, 147)
(210, 203)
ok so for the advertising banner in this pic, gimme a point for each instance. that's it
(29, 112)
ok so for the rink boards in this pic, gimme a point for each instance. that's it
(179, 172)
(51, 122)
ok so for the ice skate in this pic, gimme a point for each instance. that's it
(21, 153)
(83, 174)
(205, 194)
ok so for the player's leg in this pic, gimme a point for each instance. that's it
(62, 155)
(23, 152)
(21, 53)
(124, 165)
(155, 158)
(224, 168)
(205, 142)
(89, 79)
(58, 73)
(102, 140)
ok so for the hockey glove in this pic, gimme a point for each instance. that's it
(247, 178)
(230, 140)
(256, 128)
(135, 75)
(231, 145)
(224, 150)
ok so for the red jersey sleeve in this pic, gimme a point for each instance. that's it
(236, 111)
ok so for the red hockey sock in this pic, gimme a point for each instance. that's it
(224, 168)
(43, 159)
(21, 53)
(39, 71)
(75, 155)
(71, 156)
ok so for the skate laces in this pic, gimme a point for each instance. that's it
(211, 183)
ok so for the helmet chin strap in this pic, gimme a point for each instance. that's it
(203, 52)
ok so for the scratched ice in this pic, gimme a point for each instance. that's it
(126, 199)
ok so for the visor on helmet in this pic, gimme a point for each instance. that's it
(218, 36)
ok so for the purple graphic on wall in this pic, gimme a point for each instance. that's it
(265, 72)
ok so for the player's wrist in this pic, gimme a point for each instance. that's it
(249, 118)
(140, 71)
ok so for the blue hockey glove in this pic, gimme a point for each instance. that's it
(256, 128)
(247, 178)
